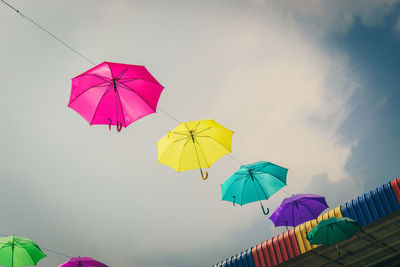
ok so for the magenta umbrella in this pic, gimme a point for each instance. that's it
(115, 94)
(82, 262)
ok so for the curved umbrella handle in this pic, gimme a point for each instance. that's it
(338, 252)
(309, 238)
(265, 213)
(202, 175)
(234, 200)
(109, 125)
(119, 126)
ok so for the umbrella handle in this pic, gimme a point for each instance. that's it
(265, 213)
(202, 175)
(337, 251)
(234, 200)
(119, 126)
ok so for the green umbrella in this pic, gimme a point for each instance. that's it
(17, 251)
(333, 230)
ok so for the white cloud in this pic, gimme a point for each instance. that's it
(325, 16)
(285, 97)
(397, 27)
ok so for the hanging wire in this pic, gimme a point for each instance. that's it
(88, 60)
(285, 192)
(48, 32)
(163, 111)
(234, 158)
(56, 252)
(91, 62)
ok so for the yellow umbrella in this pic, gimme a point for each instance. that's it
(194, 145)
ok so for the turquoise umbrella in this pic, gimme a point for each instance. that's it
(254, 182)
(332, 231)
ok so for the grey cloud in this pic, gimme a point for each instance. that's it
(336, 192)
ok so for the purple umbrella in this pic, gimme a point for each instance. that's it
(297, 209)
(82, 262)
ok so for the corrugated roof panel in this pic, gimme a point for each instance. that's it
(365, 209)
(395, 184)
(378, 203)
(269, 254)
(255, 257)
(293, 242)
(372, 207)
(385, 201)
(261, 258)
(392, 199)
(242, 259)
(282, 247)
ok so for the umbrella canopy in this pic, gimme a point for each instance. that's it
(254, 182)
(114, 94)
(82, 262)
(194, 145)
(333, 230)
(297, 209)
(17, 251)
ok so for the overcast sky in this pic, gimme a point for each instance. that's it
(309, 85)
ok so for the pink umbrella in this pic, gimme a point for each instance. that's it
(82, 262)
(115, 94)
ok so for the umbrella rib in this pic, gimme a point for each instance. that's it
(241, 200)
(180, 133)
(215, 141)
(95, 75)
(101, 77)
(181, 139)
(141, 79)
(315, 217)
(294, 219)
(122, 73)
(122, 108)
(180, 159)
(327, 235)
(337, 225)
(197, 125)
(202, 152)
(160, 156)
(94, 115)
(125, 80)
(116, 109)
(259, 198)
(22, 245)
(130, 89)
(94, 86)
(198, 160)
(203, 130)
(243, 174)
(187, 128)
(262, 189)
